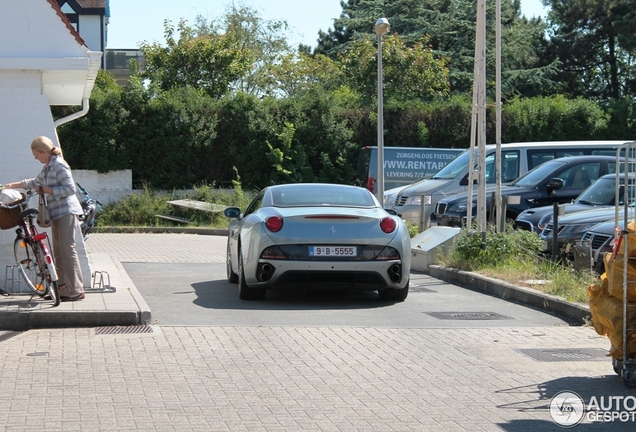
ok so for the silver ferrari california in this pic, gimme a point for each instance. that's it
(317, 235)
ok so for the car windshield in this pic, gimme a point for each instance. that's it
(454, 168)
(537, 175)
(603, 192)
(321, 195)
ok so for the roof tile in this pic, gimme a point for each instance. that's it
(65, 20)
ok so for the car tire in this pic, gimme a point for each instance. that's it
(231, 276)
(245, 292)
(394, 294)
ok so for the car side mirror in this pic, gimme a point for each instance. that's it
(232, 212)
(555, 184)
(391, 212)
(464, 181)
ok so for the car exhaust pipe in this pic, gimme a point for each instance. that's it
(394, 273)
(265, 272)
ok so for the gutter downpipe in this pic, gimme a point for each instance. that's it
(74, 116)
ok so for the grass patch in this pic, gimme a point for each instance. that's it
(140, 208)
(515, 256)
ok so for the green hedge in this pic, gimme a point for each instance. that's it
(182, 138)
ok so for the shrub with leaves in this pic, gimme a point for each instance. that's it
(474, 251)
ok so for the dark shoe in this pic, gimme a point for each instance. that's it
(76, 298)
(48, 297)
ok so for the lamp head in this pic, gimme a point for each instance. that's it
(382, 26)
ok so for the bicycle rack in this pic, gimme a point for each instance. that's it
(15, 279)
(101, 282)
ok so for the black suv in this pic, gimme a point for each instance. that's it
(559, 180)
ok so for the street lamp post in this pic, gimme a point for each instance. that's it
(381, 27)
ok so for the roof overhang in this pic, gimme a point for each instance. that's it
(65, 80)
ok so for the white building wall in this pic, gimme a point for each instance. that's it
(24, 115)
(91, 32)
(31, 28)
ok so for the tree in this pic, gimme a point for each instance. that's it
(264, 39)
(298, 72)
(449, 26)
(596, 43)
(207, 61)
(409, 72)
(233, 53)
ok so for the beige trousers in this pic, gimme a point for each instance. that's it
(67, 262)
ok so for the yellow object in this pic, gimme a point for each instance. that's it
(606, 299)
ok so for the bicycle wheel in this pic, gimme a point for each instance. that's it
(54, 291)
(27, 260)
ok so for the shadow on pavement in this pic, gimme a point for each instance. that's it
(222, 295)
(537, 398)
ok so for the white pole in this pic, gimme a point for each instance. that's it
(381, 27)
(480, 56)
(501, 218)
(380, 126)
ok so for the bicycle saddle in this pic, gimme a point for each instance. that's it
(28, 212)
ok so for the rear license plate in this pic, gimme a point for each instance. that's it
(332, 251)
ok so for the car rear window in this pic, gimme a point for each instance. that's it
(322, 195)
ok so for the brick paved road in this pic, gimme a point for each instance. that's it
(293, 378)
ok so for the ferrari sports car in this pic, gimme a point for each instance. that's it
(317, 235)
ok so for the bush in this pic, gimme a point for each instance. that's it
(141, 208)
(474, 251)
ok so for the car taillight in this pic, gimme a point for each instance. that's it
(388, 254)
(388, 225)
(273, 252)
(274, 223)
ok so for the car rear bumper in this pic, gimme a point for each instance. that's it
(361, 275)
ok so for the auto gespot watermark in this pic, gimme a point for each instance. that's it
(568, 409)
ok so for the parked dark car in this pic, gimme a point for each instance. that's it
(600, 240)
(559, 180)
(572, 227)
(601, 194)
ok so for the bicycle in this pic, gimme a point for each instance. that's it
(90, 207)
(31, 248)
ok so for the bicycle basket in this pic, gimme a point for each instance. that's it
(9, 216)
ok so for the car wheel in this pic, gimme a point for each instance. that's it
(394, 294)
(231, 276)
(245, 292)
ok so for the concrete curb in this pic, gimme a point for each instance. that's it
(160, 230)
(144, 313)
(22, 321)
(572, 312)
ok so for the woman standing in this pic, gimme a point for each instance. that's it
(56, 181)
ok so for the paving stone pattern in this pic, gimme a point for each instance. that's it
(292, 378)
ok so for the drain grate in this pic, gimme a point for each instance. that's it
(135, 329)
(476, 316)
(420, 288)
(564, 354)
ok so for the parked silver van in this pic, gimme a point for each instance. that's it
(416, 202)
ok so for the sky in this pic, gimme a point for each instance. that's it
(134, 21)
